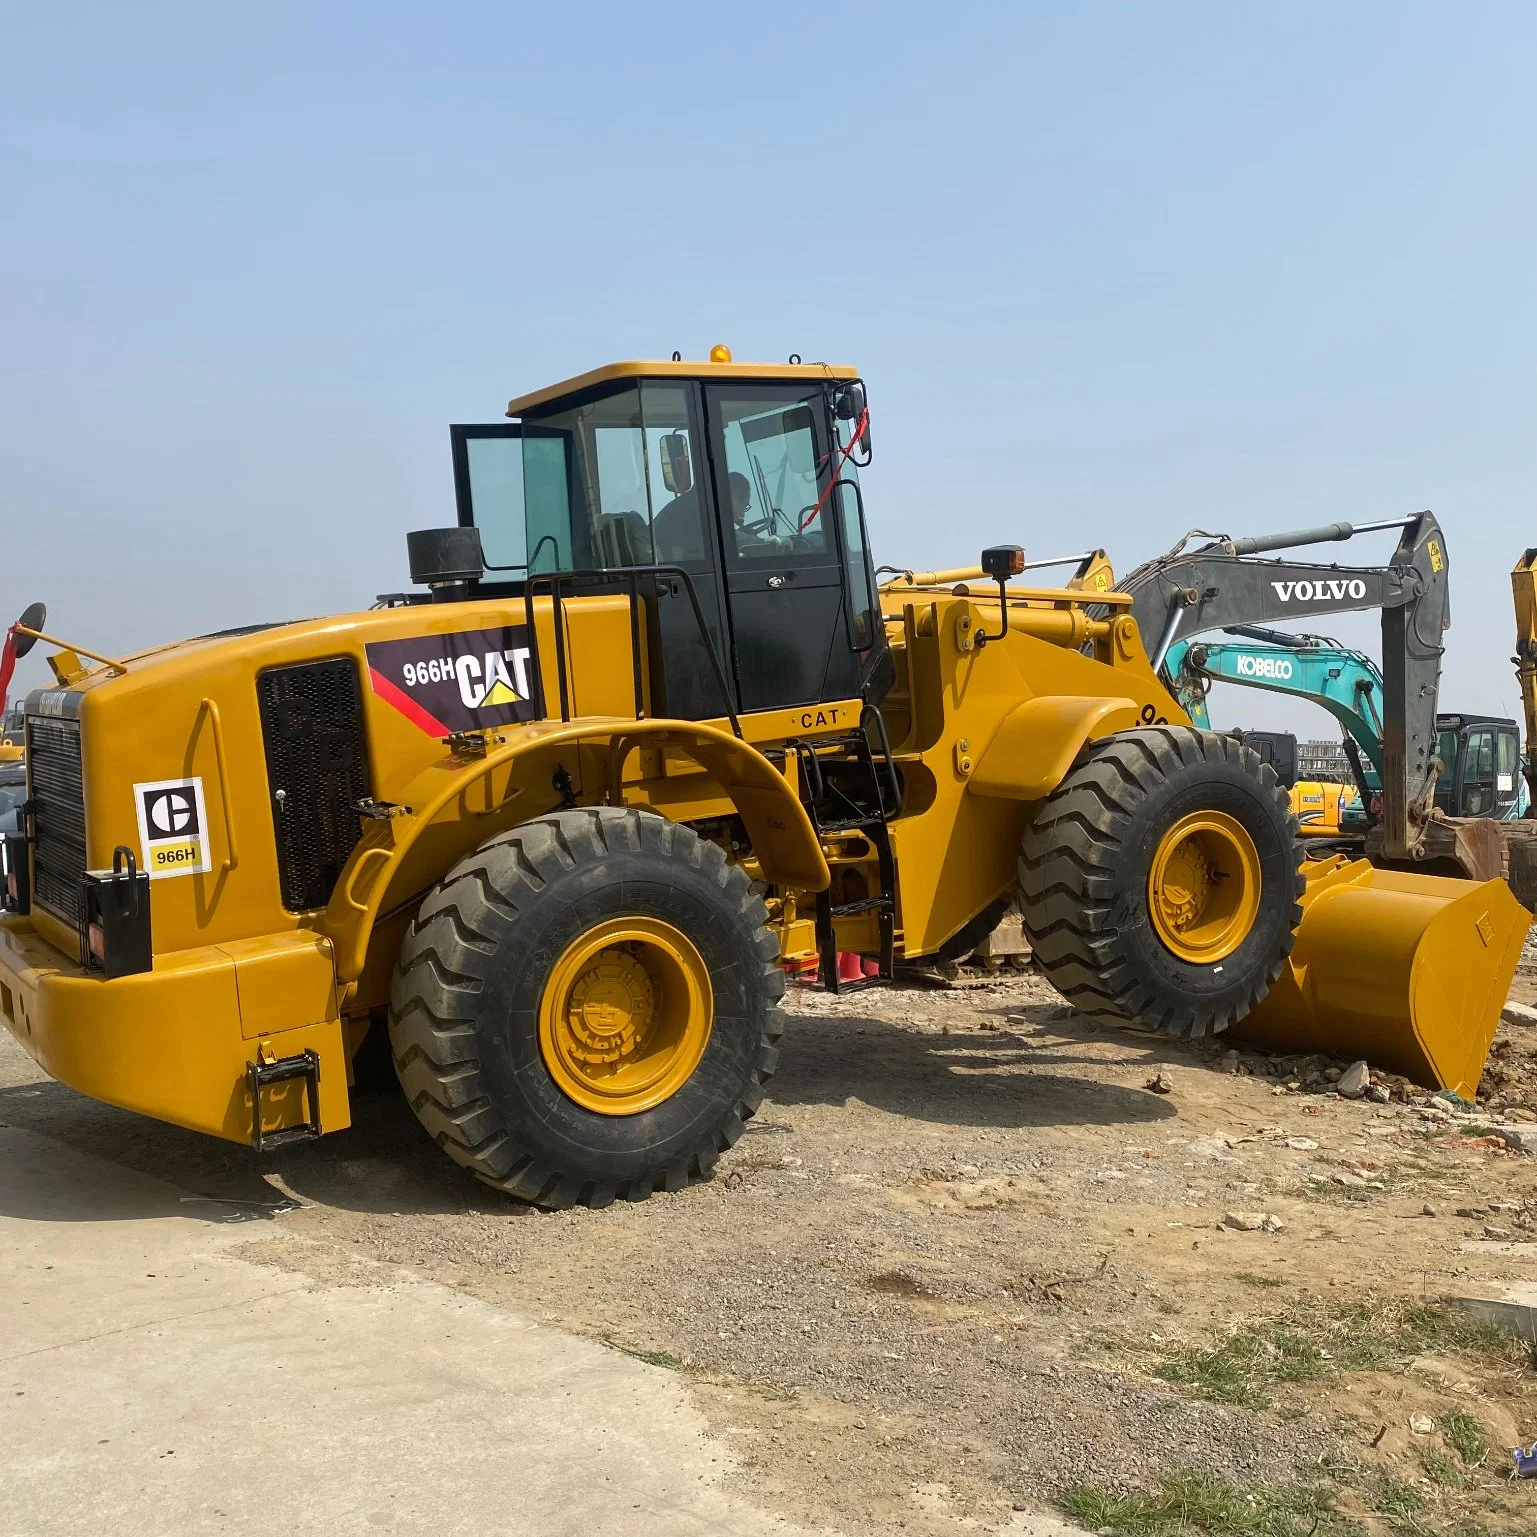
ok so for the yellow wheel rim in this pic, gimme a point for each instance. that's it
(626, 1016)
(1204, 886)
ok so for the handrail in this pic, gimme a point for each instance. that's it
(631, 576)
(232, 862)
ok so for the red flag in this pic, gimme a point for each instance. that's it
(7, 665)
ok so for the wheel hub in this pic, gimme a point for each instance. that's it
(1204, 886)
(1186, 885)
(611, 1009)
(625, 1015)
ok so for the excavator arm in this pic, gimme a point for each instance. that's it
(1222, 583)
(1346, 683)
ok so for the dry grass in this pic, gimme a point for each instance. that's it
(1198, 1502)
(1312, 1340)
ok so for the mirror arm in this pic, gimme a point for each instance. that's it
(64, 645)
(981, 638)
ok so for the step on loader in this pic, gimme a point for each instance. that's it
(648, 731)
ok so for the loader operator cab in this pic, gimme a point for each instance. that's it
(743, 481)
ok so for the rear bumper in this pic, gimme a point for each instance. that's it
(177, 1042)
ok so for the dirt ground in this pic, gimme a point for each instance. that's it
(967, 1261)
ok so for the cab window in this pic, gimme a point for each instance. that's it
(488, 487)
(773, 505)
(674, 462)
(546, 500)
(1507, 752)
(1446, 751)
(1478, 775)
(612, 482)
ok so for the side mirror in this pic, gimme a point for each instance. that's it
(850, 404)
(34, 616)
(677, 472)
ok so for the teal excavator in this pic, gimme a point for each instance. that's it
(1479, 754)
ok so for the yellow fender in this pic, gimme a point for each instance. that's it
(455, 805)
(1035, 745)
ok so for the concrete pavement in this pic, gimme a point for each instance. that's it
(152, 1383)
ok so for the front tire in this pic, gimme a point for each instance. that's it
(1159, 881)
(586, 1008)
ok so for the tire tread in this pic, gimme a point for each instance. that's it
(433, 1040)
(1070, 869)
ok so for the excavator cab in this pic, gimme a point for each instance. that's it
(1480, 774)
(1278, 749)
(731, 504)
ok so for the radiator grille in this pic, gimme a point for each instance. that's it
(317, 756)
(57, 790)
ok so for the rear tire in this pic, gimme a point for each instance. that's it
(1098, 848)
(470, 1021)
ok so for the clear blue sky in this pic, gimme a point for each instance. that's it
(1111, 271)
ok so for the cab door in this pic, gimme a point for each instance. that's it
(618, 480)
(1490, 780)
(783, 550)
(1507, 771)
(643, 485)
(1477, 787)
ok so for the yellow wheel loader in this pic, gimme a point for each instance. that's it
(648, 732)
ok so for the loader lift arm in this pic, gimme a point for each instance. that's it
(1221, 583)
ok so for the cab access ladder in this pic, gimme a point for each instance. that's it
(867, 807)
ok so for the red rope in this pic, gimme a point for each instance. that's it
(858, 433)
(7, 665)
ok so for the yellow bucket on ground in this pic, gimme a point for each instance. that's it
(1408, 972)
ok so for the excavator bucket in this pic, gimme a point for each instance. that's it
(1408, 972)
